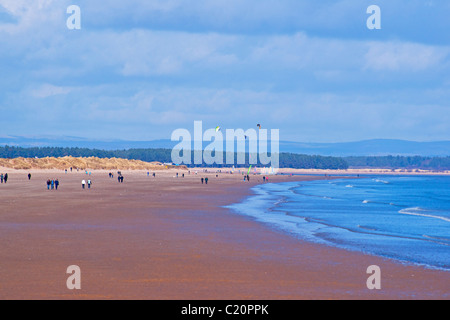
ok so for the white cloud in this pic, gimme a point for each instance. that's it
(400, 56)
(33, 15)
(49, 90)
(211, 65)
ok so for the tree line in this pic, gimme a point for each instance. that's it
(286, 160)
(400, 162)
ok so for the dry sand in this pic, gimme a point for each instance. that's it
(82, 163)
(170, 238)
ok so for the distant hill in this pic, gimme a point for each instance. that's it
(376, 147)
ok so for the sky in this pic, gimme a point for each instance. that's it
(139, 69)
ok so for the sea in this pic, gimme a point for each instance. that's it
(405, 218)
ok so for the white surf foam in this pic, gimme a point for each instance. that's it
(417, 211)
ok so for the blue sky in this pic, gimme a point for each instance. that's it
(137, 70)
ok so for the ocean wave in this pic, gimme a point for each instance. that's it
(437, 238)
(417, 211)
(367, 228)
(381, 181)
(380, 202)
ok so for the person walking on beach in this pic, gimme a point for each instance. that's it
(264, 178)
(53, 184)
(202, 180)
(206, 180)
(29, 176)
(56, 184)
(48, 184)
(83, 183)
(1, 177)
(89, 184)
(6, 177)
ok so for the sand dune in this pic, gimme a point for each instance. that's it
(92, 163)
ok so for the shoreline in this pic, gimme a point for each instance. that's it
(260, 171)
(280, 227)
(170, 238)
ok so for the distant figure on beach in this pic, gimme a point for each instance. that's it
(202, 180)
(154, 174)
(29, 176)
(264, 178)
(148, 174)
(48, 184)
(70, 169)
(1, 177)
(53, 184)
(182, 175)
(56, 184)
(5, 177)
(83, 183)
(206, 180)
(89, 184)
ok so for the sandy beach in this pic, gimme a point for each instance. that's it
(165, 237)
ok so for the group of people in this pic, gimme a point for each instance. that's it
(51, 184)
(205, 180)
(4, 177)
(83, 184)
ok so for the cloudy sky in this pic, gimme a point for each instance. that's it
(139, 69)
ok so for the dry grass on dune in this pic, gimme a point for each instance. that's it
(92, 163)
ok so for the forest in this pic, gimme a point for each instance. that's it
(286, 160)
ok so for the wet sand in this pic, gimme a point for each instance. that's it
(170, 238)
